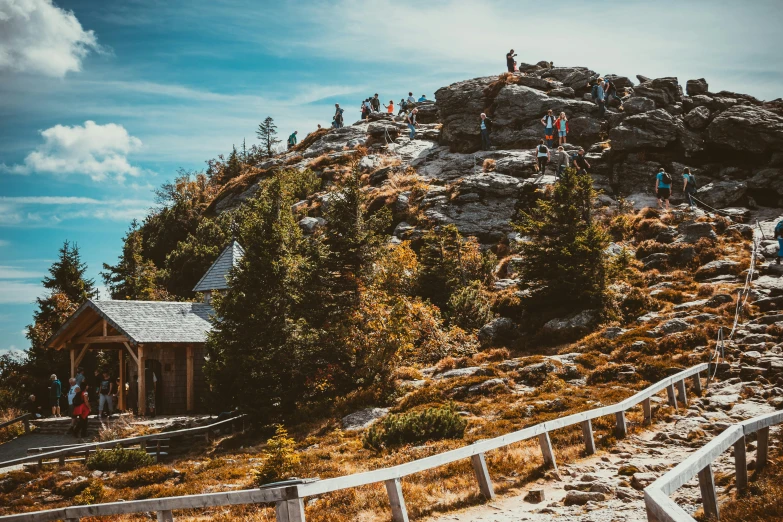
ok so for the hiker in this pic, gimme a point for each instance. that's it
(412, 122)
(292, 140)
(580, 162)
(55, 391)
(562, 127)
(779, 236)
(611, 92)
(598, 95)
(366, 109)
(663, 187)
(106, 389)
(548, 121)
(33, 408)
(79, 376)
(689, 186)
(411, 99)
(561, 161)
(510, 62)
(81, 412)
(485, 125)
(338, 116)
(542, 156)
(71, 391)
(423, 98)
(390, 108)
(375, 103)
(403, 107)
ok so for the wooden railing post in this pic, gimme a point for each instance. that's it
(27, 424)
(709, 496)
(546, 448)
(482, 475)
(741, 464)
(647, 407)
(697, 383)
(681, 392)
(397, 501)
(165, 516)
(763, 448)
(621, 428)
(157, 451)
(61, 460)
(672, 398)
(290, 510)
(587, 434)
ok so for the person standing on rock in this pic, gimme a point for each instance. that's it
(485, 125)
(563, 128)
(779, 236)
(366, 109)
(510, 62)
(599, 96)
(403, 107)
(548, 122)
(663, 187)
(412, 124)
(376, 103)
(689, 186)
(292, 140)
(338, 116)
(104, 397)
(55, 391)
(542, 156)
(580, 162)
(390, 108)
(561, 161)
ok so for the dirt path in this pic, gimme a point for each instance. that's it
(17, 448)
(604, 495)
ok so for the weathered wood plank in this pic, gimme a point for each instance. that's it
(165, 516)
(397, 501)
(762, 451)
(482, 475)
(103, 339)
(671, 397)
(290, 510)
(621, 427)
(741, 464)
(697, 384)
(587, 435)
(647, 407)
(546, 449)
(681, 393)
(709, 495)
(190, 402)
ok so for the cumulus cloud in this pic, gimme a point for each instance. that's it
(97, 151)
(47, 211)
(38, 37)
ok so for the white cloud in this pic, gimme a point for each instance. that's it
(40, 38)
(4, 243)
(98, 151)
(14, 272)
(38, 211)
(19, 292)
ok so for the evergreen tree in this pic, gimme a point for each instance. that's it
(233, 167)
(134, 277)
(267, 133)
(564, 260)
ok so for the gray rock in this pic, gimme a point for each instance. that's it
(562, 92)
(746, 128)
(638, 105)
(576, 324)
(664, 91)
(363, 419)
(486, 386)
(369, 163)
(695, 87)
(497, 331)
(694, 231)
(535, 496)
(721, 194)
(697, 118)
(641, 480)
(653, 129)
(674, 326)
(310, 224)
(768, 179)
(613, 332)
(719, 299)
(459, 372)
(580, 498)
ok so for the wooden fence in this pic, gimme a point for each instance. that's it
(289, 499)
(661, 508)
(22, 418)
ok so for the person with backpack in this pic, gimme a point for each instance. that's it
(611, 92)
(580, 162)
(55, 391)
(548, 121)
(561, 161)
(689, 186)
(542, 156)
(81, 411)
(485, 125)
(411, 119)
(562, 128)
(403, 107)
(292, 140)
(366, 109)
(338, 116)
(779, 237)
(663, 187)
(598, 95)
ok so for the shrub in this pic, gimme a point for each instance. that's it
(637, 303)
(488, 165)
(14, 430)
(649, 229)
(92, 494)
(470, 307)
(280, 458)
(144, 477)
(415, 428)
(119, 459)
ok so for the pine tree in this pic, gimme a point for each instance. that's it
(134, 277)
(233, 167)
(267, 133)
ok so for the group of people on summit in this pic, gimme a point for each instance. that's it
(407, 107)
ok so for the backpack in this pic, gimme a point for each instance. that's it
(542, 149)
(779, 229)
(692, 182)
(667, 178)
(594, 91)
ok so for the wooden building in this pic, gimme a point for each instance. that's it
(160, 343)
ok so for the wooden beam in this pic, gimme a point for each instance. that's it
(133, 355)
(105, 328)
(697, 384)
(142, 381)
(397, 501)
(741, 464)
(290, 511)
(105, 339)
(81, 355)
(671, 396)
(546, 448)
(647, 407)
(621, 427)
(763, 448)
(682, 394)
(482, 475)
(121, 390)
(189, 380)
(709, 495)
(587, 434)
(72, 351)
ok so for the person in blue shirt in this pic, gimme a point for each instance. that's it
(663, 187)
(548, 122)
(689, 185)
(423, 98)
(599, 96)
(485, 125)
(779, 236)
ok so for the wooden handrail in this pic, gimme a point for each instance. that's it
(656, 496)
(22, 418)
(112, 443)
(289, 502)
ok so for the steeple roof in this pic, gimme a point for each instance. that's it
(216, 277)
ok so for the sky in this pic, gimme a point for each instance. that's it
(102, 101)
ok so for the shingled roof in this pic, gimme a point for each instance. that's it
(216, 277)
(149, 321)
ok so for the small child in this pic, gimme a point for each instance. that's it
(562, 128)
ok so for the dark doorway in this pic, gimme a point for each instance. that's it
(153, 380)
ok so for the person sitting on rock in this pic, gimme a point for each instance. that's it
(561, 161)
(562, 128)
(390, 107)
(292, 140)
(689, 186)
(542, 156)
(423, 99)
(779, 236)
(663, 187)
(411, 99)
(338, 116)
(412, 124)
(548, 122)
(510, 62)
(485, 125)
(611, 92)
(599, 95)
(580, 162)
(375, 102)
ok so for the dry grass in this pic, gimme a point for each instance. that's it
(13, 431)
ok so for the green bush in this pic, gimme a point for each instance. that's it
(92, 494)
(416, 427)
(280, 458)
(144, 477)
(470, 307)
(119, 459)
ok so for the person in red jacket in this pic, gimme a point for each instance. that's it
(81, 411)
(562, 128)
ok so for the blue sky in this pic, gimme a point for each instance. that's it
(101, 101)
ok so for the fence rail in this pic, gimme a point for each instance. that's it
(22, 418)
(289, 500)
(661, 508)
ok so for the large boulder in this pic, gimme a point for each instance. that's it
(497, 331)
(695, 87)
(653, 129)
(638, 105)
(697, 118)
(571, 326)
(721, 194)
(747, 128)
(693, 231)
(428, 112)
(664, 91)
(770, 180)
(460, 105)
(338, 140)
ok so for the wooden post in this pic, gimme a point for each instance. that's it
(290, 510)
(697, 383)
(397, 501)
(26, 422)
(482, 475)
(143, 445)
(142, 402)
(683, 396)
(741, 464)
(671, 396)
(157, 451)
(621, 428)
(763, 448)
(587, 434)
(546, 450)
(165, 516)
(647, 407)
(189, 374)
(61, 460)
(73, 361)
(709, 496)
(121, 391)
